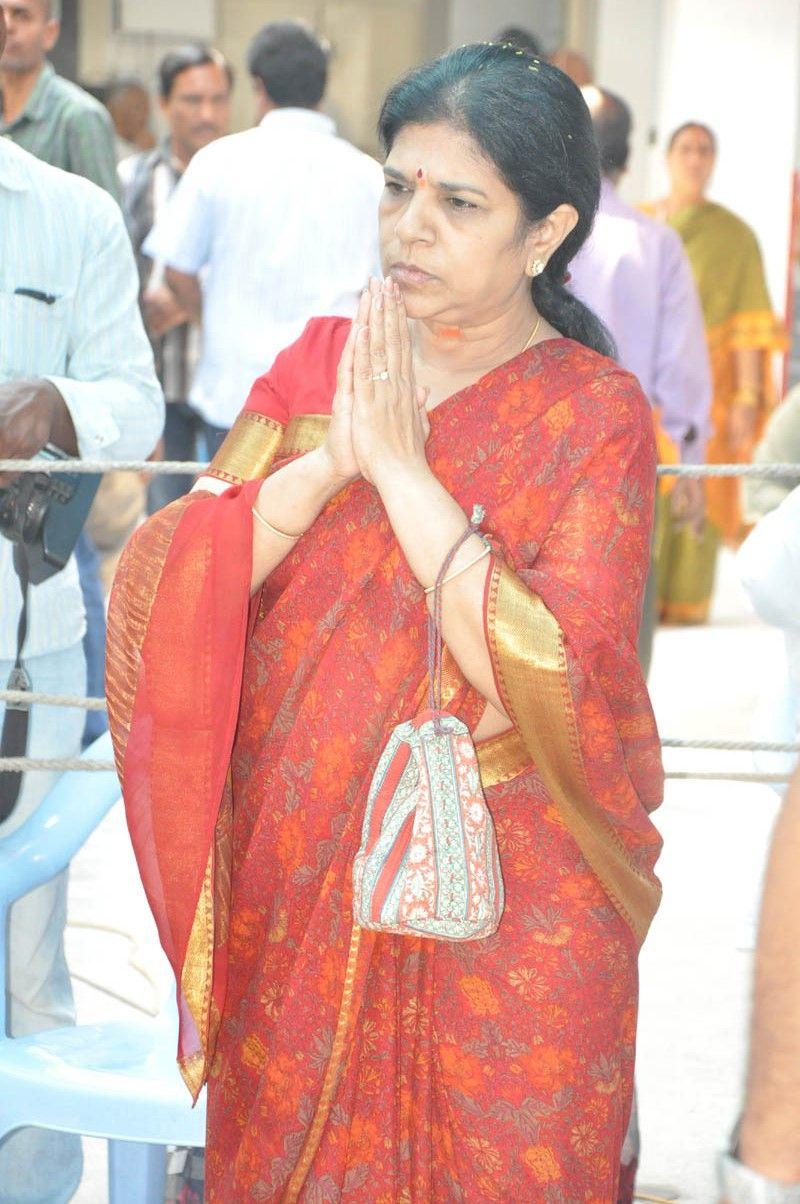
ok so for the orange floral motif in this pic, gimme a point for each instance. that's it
(291, 843)
(245, 924)
(363, 552)
(396, 659)
(363, 1138)
(278, 1075)
(559, 417)
(333, 762)
(482, 998)
(584, 1139)
(254, 1052)
(462, 1070)
(295, 640)
(486, 1155)
(529, 982)
(543, 1162)
(549, 1067)
(490, 1189)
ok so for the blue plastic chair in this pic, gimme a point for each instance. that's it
(117, 1080)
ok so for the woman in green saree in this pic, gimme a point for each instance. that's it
(743, 333)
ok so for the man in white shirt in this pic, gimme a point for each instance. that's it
(764, 1163)
(269, 227)
(76, 369)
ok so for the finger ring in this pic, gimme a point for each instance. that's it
(381, 375)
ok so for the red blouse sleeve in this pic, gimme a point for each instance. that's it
(302, 379)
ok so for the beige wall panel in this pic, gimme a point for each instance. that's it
(373, 41)
(237, 22)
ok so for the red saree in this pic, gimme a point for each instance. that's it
(344, 1064)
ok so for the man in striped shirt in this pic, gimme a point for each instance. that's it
(52, 118)
(76, 369)
(195, 87)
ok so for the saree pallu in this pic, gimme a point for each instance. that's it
(727, 265)
(349, 1065)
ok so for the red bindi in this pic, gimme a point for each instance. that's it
(419, 173)
(421, 177)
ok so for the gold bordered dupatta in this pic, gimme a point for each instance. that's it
(177, 626)
(530, 659)
(561, 622)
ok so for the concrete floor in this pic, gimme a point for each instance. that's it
(695, 967)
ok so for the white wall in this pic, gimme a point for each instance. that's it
(626, 61)
(733, 64)
(737, 67)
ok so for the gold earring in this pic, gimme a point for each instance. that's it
(536, 268)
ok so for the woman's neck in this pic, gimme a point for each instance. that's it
(457, 351)
(682, 198)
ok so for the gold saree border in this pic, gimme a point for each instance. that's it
(254, 441)
(137, 581)
(331, 1080)
(527, 646)
(502, 758)
(247, 450)
(209, 931)
(304, 433)
(758, 329)
(197, 977)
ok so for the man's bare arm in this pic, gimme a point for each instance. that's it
(186, 288)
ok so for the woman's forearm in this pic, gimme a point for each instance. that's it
(427, 521)
(290, 500)
(747, 371)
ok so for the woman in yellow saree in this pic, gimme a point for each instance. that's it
(743, 333)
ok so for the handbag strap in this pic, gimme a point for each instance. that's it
(435, 647)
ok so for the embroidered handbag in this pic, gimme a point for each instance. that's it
(428, 863)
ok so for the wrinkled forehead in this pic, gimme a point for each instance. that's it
(41, 9)
(442, 153)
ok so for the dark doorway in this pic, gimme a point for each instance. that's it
(65, 55)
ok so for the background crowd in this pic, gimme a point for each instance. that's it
(136, 322)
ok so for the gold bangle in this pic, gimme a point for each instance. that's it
(458, 572)
(274, 530)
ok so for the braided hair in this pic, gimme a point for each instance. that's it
(532, 122)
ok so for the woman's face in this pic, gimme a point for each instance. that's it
(451, 229)
(690, 160)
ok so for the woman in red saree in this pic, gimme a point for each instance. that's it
(258, 664)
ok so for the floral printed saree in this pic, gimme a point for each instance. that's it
(344, 1064)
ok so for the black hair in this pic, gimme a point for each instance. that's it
(521, 39)
(692, 125)
(194, 54)
(612, 123)
(291, 62)
(530, 120)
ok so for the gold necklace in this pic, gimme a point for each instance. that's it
(533, 333)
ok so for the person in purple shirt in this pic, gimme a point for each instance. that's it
(634, 273)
